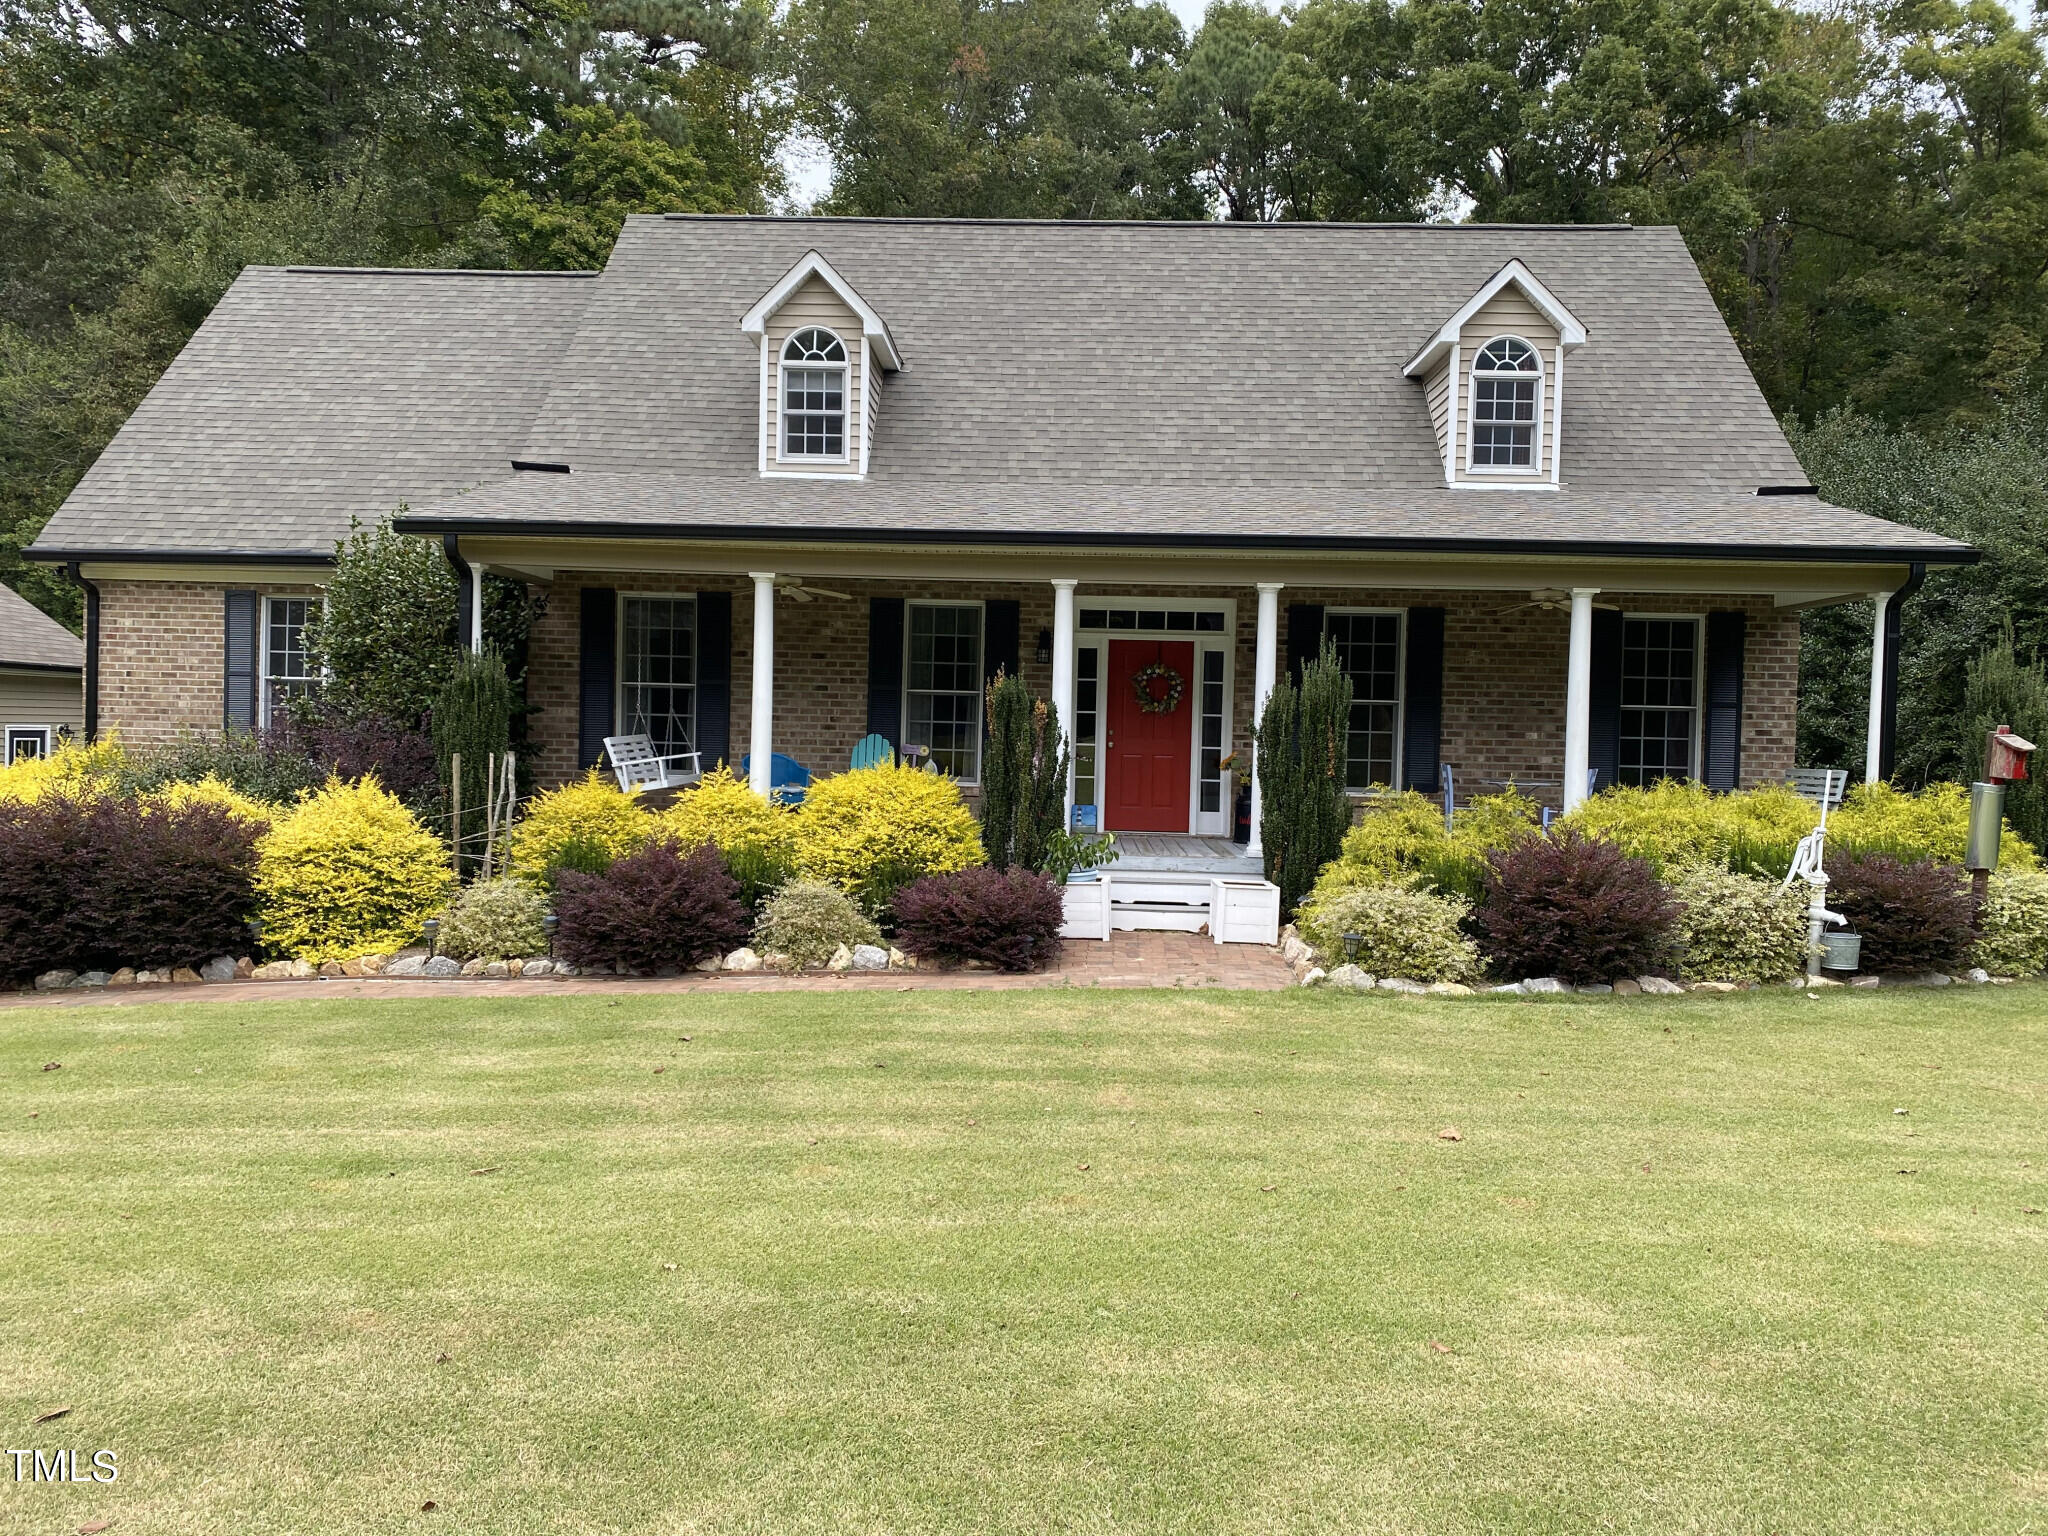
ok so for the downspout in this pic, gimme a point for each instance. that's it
(466, 593)
(92, 651)
(1887, 741)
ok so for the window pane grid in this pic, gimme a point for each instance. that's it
(1368, 647)
(1086, 663)
(658, 672)
(1211, 780)
(814, 412)
(1659, 699)
(942, 685)
(287, 669)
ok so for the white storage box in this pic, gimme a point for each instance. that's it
(1087, 908)
(1244, 911)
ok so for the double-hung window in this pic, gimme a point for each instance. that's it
(813, 392)
(658, 671)
(1507, 387)
(27, 741)
(1368, 648)
(1660, 698)
(942, 685)
(287, 668)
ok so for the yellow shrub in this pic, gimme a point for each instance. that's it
(1934, 823)
(872, 830)
(721, 809)
(74, 770)
(1402, 837)
(348, 871)
(1675, 824)
(586, 816)
(212, 790)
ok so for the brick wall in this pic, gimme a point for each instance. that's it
(162, 670)
(1504, 674)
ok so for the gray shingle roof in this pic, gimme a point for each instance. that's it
(1179, 515)
(1088, 379)
(312, 396)
(29, 637)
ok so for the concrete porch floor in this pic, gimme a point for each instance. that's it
(1178, 853)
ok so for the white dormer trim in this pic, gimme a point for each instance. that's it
(754, 323)
(1569, 332)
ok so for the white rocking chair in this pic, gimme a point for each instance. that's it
(637, 766)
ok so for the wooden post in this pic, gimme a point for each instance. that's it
(455, 810)
(490, 809)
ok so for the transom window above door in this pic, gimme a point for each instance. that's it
(813, 394)
(1197, 621)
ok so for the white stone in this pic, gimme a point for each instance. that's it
(1936, 979)
(1597, 989)
(219, 968)
(51, 981)
(408, 965)
(303, 969)
(870, 957)
(497, 970)
(1315, 976)
(440, 965)
(565, 968)
(842, 959)
(709, 964)
(474, 967)
(1659, 986)
(1292, 950)
(1544, 984)
(1628, 986)
(1818, 981)
(1401, 984)
(275, 970)
(743, 959)
(900, 961)
(373, 965)
(1351, 979)
(1977, 975)
(124, 977)
(1448, 989)
(1513, 989)
(1711, 986)
(541, 966)
(1862, 981)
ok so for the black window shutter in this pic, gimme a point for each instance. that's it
(1422, 702)
(714, 678)
(999, 637)
(885, 669)
(242, 646)
(1721, 744)
(596, 668)
(1604, 733)
(1304, 636)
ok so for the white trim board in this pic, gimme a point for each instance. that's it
(755, 322)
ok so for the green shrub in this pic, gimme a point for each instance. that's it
(872, 831)
(808, 920)
(2013, 927)
(756, 836)
(381, 637)
(585, 825)
(1300, 764)
(494, 920)
(1402, 932)
(473, 721)
(270, 767)
(1741, 928)
(1023, 776)
(347, 872)
(1933, 824)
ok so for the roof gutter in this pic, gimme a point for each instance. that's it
(72, 557)
(1362, 544)
(92, 652)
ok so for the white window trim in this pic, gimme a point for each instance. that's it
(1224, 640)
(846, 401)
(619, 653)
(1400, 774)
(263, 673)
(980, 608)
(48, 733)
(1535, 469)
(1699, 683)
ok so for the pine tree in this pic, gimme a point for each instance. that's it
(2003, 690)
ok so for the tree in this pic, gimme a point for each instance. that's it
(1023, 776)
(384, 638)
(2002, 690)
(1301, 743)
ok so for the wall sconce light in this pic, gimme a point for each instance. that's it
(1043, 654)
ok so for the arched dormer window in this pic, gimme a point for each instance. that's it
(1507, 390)
(814, 395)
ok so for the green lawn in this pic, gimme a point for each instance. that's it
(1033, 1261)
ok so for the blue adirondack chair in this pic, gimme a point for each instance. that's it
(787, 778)
(873, 752)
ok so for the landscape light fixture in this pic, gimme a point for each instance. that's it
(1351, 943)
(431, 928)
(548, 924)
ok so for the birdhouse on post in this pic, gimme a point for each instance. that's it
(2005, 756)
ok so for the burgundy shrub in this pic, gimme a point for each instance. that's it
(403, 760)
(1009, 919)
(652, 911)
(101, 883)
(1913, 917)
(1575, 908)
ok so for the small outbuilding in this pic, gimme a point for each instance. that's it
(42, 679)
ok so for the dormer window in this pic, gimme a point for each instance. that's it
(814, 396)
(1507, 383)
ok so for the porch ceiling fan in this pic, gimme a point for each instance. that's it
(799, 590)
(1551, 600)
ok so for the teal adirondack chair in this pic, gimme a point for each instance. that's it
(873, 752)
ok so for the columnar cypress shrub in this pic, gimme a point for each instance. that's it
(1302, 809)
(473, 718)
(1023, 776)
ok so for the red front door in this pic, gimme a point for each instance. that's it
(1150, 753)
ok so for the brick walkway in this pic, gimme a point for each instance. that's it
(1127, 960)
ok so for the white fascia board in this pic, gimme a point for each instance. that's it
(755, 322)
(1569, 332)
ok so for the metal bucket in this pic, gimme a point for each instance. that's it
(1841, 951)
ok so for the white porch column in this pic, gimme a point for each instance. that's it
(760, 739)
(1873, 766)
(1063, 677)
(476, 607)
(1578, 702)
(1265, 667)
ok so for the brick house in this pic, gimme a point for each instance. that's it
(783, 483)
